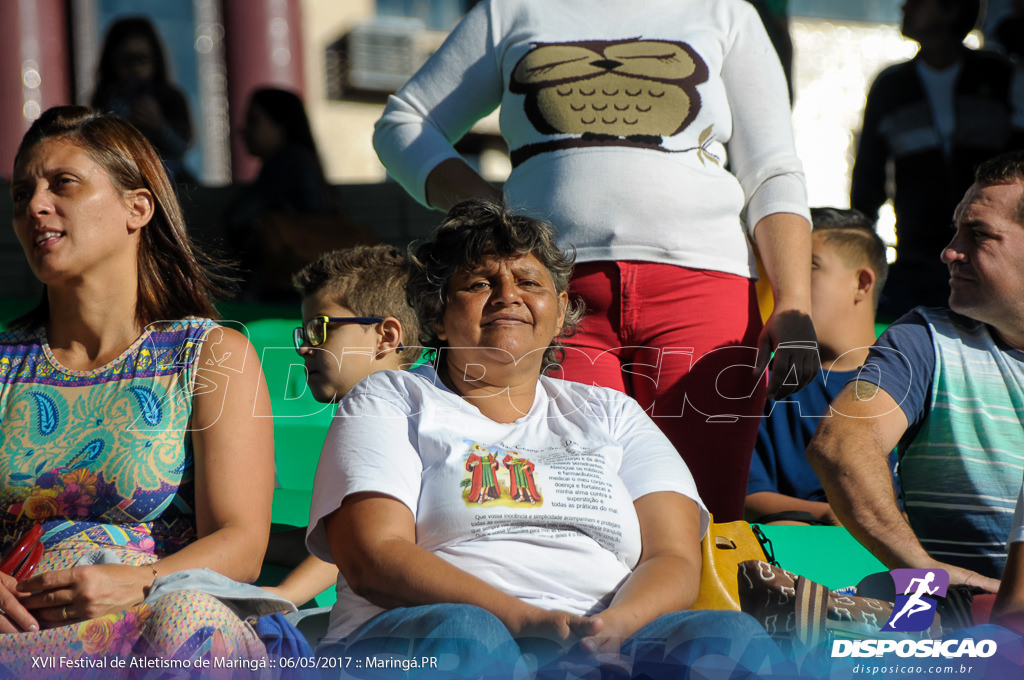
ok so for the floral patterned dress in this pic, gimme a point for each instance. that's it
(103, 460)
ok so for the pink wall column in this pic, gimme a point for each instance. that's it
(34, 72)
(263, 47)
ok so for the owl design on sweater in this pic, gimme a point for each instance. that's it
(635, 90)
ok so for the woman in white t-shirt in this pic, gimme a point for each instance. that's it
(496, 510)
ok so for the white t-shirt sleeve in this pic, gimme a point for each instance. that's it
(762, 150)
(649, 461)
(460, 84)
(369, 448)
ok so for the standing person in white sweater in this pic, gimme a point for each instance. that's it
(621, 124)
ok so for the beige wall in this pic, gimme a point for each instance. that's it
(342, 129)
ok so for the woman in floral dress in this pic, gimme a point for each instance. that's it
(133, 429)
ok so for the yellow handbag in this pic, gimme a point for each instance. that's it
(722, 549)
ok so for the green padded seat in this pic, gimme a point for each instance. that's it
(300, 425)
(827, 555)
(300, 422)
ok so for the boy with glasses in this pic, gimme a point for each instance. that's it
(354, 320)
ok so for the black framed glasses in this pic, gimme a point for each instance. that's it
(314, 331)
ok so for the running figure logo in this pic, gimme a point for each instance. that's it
(914, 610)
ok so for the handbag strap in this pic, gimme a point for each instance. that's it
(766, 545)
(811, 613)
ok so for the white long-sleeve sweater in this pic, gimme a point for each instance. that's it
(618, 117)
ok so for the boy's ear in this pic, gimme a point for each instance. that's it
(865, 284)
(389, 336)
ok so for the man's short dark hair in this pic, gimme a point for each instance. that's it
(1007, 168)
(853, 236)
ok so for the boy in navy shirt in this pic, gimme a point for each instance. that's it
(355, 319)
(848, 270)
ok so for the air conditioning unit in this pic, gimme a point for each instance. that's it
(384, 53)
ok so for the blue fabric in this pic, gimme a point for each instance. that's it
(694, 644)
(282, 639)
(779, 464)
(465, 641)
(425, 371)
(244, 599)
(468, 641)
(902, 363)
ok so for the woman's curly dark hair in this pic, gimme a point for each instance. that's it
(473, 231)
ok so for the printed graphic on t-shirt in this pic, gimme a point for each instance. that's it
(621, 93)
(483, 468)
(521, 486)
(495, 474)
(506, 478)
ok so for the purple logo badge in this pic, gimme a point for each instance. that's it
(916, 590)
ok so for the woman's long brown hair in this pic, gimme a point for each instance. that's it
(176, 278)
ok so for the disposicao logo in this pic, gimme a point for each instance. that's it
(914, 611)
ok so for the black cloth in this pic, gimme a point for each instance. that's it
(290, 181)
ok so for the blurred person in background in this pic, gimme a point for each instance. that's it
(289, 215)
(934, 118)
(133, 82)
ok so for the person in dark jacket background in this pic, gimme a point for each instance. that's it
(935, 118)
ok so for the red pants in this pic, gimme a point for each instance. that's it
(683, 343)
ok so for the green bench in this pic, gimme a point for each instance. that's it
(300, 425)
(827, 555)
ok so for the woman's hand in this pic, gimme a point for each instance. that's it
(605, 633)
(549, 624)
(14, 617)
(784, 243)
(84, 592)
(601, 638)
(788, 341)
